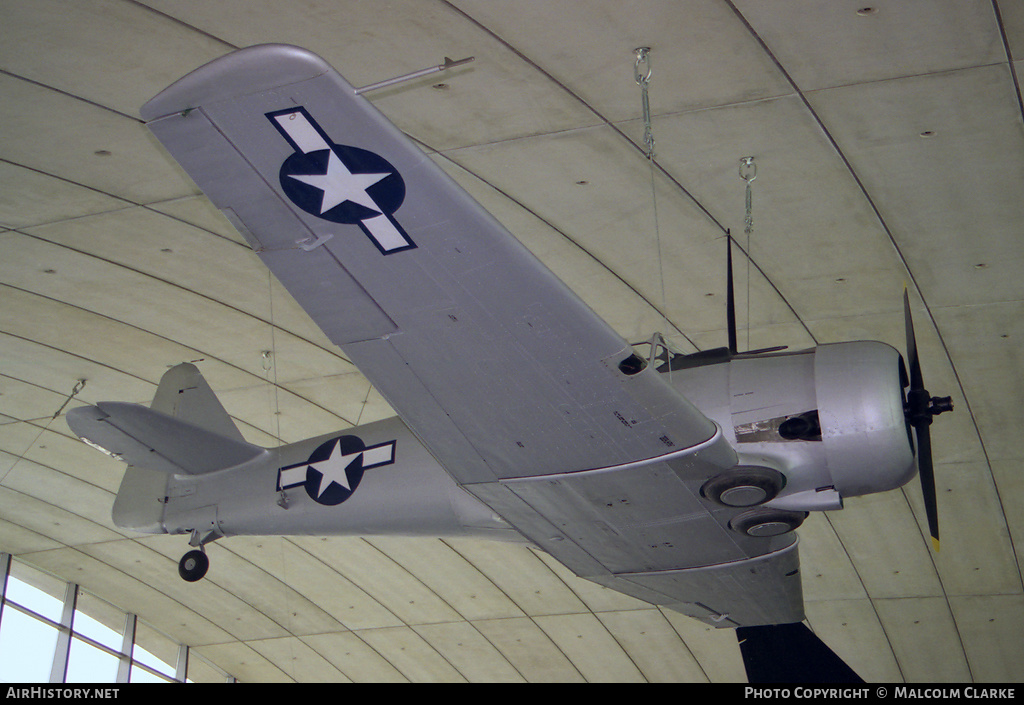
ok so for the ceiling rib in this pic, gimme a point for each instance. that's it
(71, 95)
(186, 25)
(642, 150)
(1009, 56)
(881, 221)
(910, 274)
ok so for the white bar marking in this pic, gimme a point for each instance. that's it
(382, 455)
(385, 233)
(302, 132)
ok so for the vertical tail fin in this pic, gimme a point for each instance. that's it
(185, 395)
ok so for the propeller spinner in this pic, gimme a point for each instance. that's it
(920, 407)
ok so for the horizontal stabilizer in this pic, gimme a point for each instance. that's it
(146, 438)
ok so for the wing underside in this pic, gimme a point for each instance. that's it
(517, 388)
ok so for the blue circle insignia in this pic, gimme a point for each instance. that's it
(343, 184)
(334, 470)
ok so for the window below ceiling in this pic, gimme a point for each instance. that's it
(55, 632)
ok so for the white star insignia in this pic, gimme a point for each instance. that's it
(334, 469)
(340, 185)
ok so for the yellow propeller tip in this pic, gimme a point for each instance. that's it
(935, 544)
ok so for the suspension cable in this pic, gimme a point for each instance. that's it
(748, 172)
(642, 75)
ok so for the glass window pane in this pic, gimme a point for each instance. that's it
(88, 664)
(27, 643)
(39, 592)
(99, 621)
(155, 650)
(26, 648)
(141, 675)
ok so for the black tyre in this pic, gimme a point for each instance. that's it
(744, 486)
(765, 523)
(193, 566)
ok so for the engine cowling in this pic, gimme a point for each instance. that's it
(863, 425)
(830, 420)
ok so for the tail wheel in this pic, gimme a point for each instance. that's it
(744, 486)
(193, 566)
(765, 523)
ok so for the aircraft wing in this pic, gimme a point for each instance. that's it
(528, 399)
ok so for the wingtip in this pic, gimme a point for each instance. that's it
(241, 72)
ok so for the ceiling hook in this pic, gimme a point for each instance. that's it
(642, 57)
(748, 170)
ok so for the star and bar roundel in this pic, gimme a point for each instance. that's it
(334, 470)
(340, 183)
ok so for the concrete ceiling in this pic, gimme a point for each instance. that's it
(889, 149)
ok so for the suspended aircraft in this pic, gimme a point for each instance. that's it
(522, 416)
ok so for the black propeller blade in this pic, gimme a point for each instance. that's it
(730, 296)
(790, 653)
(919, 408)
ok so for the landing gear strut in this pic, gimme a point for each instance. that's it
(194, 564)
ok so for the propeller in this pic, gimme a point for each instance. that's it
(730, 296)
(920, 407)
(790, 653)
